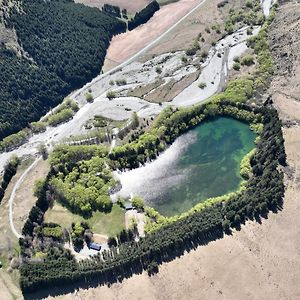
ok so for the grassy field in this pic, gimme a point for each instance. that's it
(108, 224)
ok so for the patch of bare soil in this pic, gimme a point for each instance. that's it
(284, 39)
(7, 239)
(182, 36)
(8, 36)
(142, 90)
(169, 91)
(132, 6)
(126, 44)
(100, 238)
(25, 198)
(8, 290)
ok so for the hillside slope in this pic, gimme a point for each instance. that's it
(65, 45)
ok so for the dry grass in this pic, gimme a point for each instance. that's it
(107, 224)
(143, 90)
(169, 91)
(126, 44)
(132, 6)
(25, 199)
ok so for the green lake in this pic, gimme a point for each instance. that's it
(202, 163)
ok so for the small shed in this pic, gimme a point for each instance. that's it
(128, 206)
(95, 246)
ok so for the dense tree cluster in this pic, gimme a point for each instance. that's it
(36, 215)
(9, 171)
(144, 15)
(26, 91)
(86, 188)
(62, 113)
(64, 158)
(51, 230)
(80, 232)
(14, 140)
(81, 179)
(112, 10)
(66, 43)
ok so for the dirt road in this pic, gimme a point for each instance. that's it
(164, 21)
(13, 194)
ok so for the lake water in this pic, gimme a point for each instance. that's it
(202, 163)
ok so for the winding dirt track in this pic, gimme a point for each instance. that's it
(13, 195)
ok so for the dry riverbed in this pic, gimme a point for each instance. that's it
(173, 75)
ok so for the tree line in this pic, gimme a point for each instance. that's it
(9, 172)
(144, 15)
(65, 45)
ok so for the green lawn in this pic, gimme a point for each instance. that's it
(108, 224)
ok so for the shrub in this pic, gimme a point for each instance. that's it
(89, 98)
(249, 4)
(204, 54)
(184, 59)
(222, 3)
(14, 140)
(202, 85)
(138, 203)
(120, 82)
(61, 117)
(111, 95)
(247, 60)
(236, 66)
(158, 70)
(38, 127)
(54, 232)
(236, 59)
